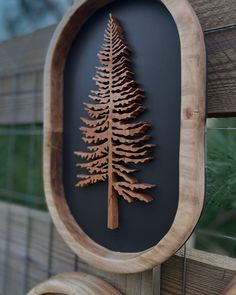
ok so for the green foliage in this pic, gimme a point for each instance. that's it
(21, 166)
(219, 216)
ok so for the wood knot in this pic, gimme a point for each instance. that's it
(189, 113)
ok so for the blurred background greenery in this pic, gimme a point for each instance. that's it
(216, 230)
(21, 146)
(21, 165)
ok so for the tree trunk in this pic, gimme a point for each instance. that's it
(113, 210)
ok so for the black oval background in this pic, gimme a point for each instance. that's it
(153, 37)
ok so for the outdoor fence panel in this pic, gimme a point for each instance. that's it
(30, 248)
(221, 49)
(205, 273)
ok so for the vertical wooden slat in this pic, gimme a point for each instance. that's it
(38, 251)
(207, 274)
(61, 256)
(156, 283)
(17, 227)
(3, 227)
(134, 283)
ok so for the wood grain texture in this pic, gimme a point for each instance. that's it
(205, 271)
(191, 142)
(213, 14)
(21, 96)
(221, 49)
(113, 141)
(30, 53)
(201, 278)
(23, 104)
(74, 284)
(231, 288)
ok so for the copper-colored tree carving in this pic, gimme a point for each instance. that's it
(113, 141)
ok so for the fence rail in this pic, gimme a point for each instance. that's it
(21, 75)
(31, 251)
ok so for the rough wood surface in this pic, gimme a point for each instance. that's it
(191, 188)
(32, 48)
(25, 52)
(21, 70)
(201, 278)
(74, 284)
(214, 14)
(24, 265)
(112, 141)
(221, 50)
(206, 273)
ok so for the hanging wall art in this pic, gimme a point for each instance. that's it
(124, 92)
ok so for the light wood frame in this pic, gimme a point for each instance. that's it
(74, 284)
(191, 158)
(231, 288)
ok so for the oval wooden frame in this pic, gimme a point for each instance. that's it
(191, 161)
(74, 284)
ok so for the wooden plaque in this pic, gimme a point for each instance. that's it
(74, 284)
(124, 152)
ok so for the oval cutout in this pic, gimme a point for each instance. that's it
(124, 253)
(162, 94)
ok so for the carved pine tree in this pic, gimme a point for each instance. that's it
(113, 141)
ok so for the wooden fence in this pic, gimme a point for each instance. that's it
(22, 61)
(31, 251)
(30, 248)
